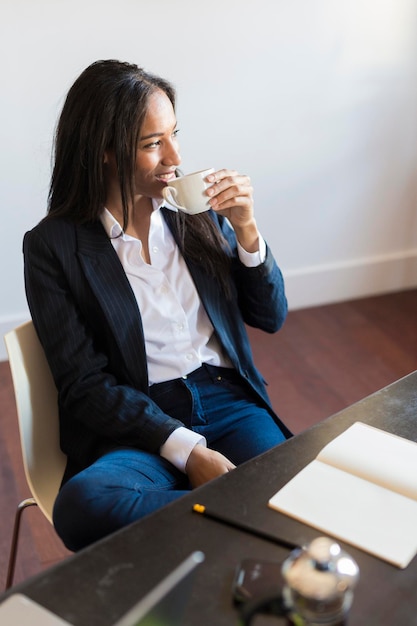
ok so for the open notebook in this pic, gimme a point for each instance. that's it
(362, 489)
(162, 606)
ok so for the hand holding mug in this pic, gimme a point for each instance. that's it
(225, 191)
(231, 195)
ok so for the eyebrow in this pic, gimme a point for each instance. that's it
(152, 135)
(145, 137)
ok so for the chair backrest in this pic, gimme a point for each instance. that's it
(37, 410)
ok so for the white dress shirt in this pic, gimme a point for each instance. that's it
(179, 337)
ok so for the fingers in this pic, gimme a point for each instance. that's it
(230, 189)
(217, 177)
(228, 466)
(204, 464)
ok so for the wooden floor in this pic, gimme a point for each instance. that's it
(324, 359)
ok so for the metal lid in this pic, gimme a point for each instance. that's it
(321, 570)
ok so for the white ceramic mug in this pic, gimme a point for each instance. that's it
(186, 193)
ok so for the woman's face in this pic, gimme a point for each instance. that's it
(157, 156)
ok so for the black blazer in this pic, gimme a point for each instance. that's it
(89, 324)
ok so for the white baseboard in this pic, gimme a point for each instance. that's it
(349, 280)
(322, 284)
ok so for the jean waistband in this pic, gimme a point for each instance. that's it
(204, 373)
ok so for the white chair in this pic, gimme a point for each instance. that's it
(37, 411)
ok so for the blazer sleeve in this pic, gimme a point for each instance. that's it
(260, 290)
(99, 402)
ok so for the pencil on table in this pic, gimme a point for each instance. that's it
(200, 508)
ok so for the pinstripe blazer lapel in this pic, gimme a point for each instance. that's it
(111, 287)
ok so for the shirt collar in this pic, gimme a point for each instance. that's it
(159, 203)
(110, 224)
(113, 227)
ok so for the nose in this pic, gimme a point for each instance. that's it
(171, 155)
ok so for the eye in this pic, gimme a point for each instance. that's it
(158, 142)
(154, 144)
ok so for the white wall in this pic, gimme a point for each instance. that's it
(315, 99)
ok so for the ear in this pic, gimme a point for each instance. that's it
(106, 157)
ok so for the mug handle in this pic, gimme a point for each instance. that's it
(170, 194)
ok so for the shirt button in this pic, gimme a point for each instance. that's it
(189, 356)
(155, 249)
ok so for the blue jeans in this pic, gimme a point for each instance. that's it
(126, 484)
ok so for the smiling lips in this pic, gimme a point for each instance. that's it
(165, 178)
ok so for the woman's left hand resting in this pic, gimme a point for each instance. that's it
(231, 195)
(204, 464)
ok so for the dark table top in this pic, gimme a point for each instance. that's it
(97, 585)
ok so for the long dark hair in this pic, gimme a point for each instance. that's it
(104, 110)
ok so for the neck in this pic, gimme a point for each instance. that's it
(140, 211)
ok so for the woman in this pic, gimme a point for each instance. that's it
(141, 310)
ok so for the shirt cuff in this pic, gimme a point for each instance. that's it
(252, 259)
(179, 446)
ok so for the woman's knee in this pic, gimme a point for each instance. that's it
(111, 494)
(81, 512)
